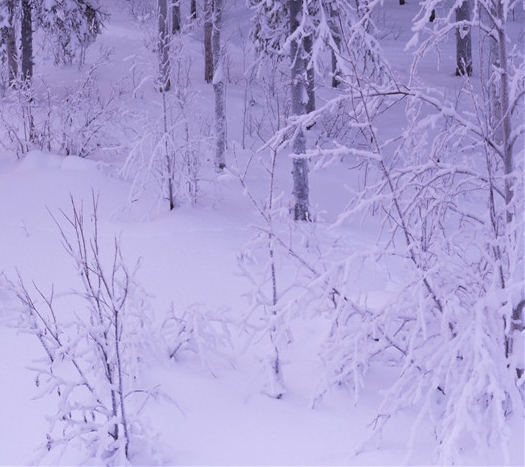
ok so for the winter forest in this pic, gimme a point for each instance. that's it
(262, 232)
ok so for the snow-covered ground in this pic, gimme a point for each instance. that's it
(210, 411)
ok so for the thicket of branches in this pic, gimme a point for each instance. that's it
(445, 196)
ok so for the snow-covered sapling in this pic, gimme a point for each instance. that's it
(95, 340)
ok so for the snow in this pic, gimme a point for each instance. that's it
(209, 408)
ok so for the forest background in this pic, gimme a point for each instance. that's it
(274, 232)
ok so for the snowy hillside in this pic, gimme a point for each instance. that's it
(386, 330)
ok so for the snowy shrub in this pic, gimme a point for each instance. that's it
(78, 120)
(166, 161)
(277, 262)
(85, 120)
(203, 333)
(96, 341)
(23, 129)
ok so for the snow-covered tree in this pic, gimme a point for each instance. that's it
(11, 13)
(71, 26)
(303, 30)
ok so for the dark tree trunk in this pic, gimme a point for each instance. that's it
(300, 163)
(9, 40)
(208, 31)
(175, 17)
(193, 9)
(218, 88)
(336, 34)
(463, 41)
(26, 42)
(310, 74)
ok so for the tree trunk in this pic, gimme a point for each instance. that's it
(9, 42)
(164, 50)
(26, 42)
(463, 41)
(208, 32)
(193, 9)
(508, 156)
(336, 34)
(218, 88)
(310, 74)
(300, 163)
(175, 17)
(501, 118)
(501, 121)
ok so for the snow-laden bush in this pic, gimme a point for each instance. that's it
(203, 333)
(96, 341)
(166, 160)
(74, 120)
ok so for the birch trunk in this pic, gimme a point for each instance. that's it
(218, 88)
(164, 51)
(300, 163)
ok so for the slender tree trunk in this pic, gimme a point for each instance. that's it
(164, 44)
(300, 163)
(218, 88)
(463, 41)
(501, 122)
(310, 74)
(26, 42)
(175, 17)
(193, 9)
(506, 123)
(336, 34)
(208, 49)
(9, 42)
(501, 118)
